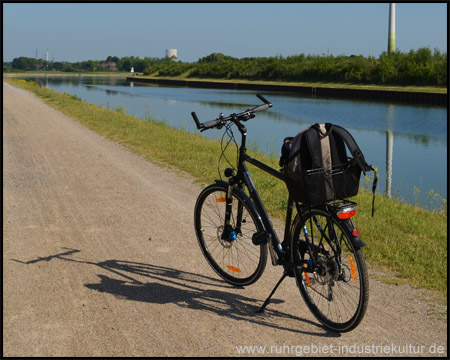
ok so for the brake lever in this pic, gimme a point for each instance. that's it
(248, 117)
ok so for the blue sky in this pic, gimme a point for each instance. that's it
(85, 31)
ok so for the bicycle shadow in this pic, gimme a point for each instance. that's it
(162, 285)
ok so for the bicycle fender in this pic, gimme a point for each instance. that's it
(245, 199)
(357, 242)
(354, 238)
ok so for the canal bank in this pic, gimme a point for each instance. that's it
(414, 97)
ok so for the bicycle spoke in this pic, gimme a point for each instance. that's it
(233, 256)
(334, 291)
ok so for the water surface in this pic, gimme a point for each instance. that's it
(407, 143)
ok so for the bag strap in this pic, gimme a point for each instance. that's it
(291, 156)
(353, 147)
(374, 186)
(313, 142)
(359, 157)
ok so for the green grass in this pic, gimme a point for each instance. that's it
(404, 239)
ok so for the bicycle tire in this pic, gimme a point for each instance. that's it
(336, 295)
(238, 261)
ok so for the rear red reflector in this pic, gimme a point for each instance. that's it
(347, 213)
(355, 232)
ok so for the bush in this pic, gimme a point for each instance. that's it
(421, 67)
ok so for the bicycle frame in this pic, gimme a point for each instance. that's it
(243, 178)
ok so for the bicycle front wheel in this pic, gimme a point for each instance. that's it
(234, 256)
(334, 282)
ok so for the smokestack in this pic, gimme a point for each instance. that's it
(47, 55)
(391, 39)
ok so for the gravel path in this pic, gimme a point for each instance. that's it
(100, 259)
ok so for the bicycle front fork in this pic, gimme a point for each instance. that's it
(229, 233)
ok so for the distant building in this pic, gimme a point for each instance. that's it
(110, 65)
(170, 53)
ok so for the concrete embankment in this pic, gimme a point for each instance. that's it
(431, 98)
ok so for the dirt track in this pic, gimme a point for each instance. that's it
(100, 259)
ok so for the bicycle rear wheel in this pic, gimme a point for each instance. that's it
(234, 257)
(335, 283)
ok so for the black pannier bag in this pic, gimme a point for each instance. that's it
(317, 168)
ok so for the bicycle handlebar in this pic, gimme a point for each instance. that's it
(261, 108)
(244, 116)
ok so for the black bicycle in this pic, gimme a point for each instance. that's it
(321, 247)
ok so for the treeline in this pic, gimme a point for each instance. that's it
(417, 67)
(111, 63)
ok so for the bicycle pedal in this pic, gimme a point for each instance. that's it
(261, 238)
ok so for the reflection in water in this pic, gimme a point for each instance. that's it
(420, 131)
(389, 147)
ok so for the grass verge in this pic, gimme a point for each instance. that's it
(343, 85)
(404, 239)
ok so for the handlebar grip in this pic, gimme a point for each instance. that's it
(197, 122)
(261, 108)
(210, 124)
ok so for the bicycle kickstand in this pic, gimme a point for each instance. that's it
(263, 306)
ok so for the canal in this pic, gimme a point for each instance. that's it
(407, 143)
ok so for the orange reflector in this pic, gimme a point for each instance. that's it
(232, 268)
(222, 199)
(352, 268)
(306, 277)
(346, 214)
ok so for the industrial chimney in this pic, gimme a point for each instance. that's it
(391, 39)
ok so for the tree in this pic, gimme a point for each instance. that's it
(58, 65)
(88, 65)
(125, 64)
(215, 58)
(24, 63)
